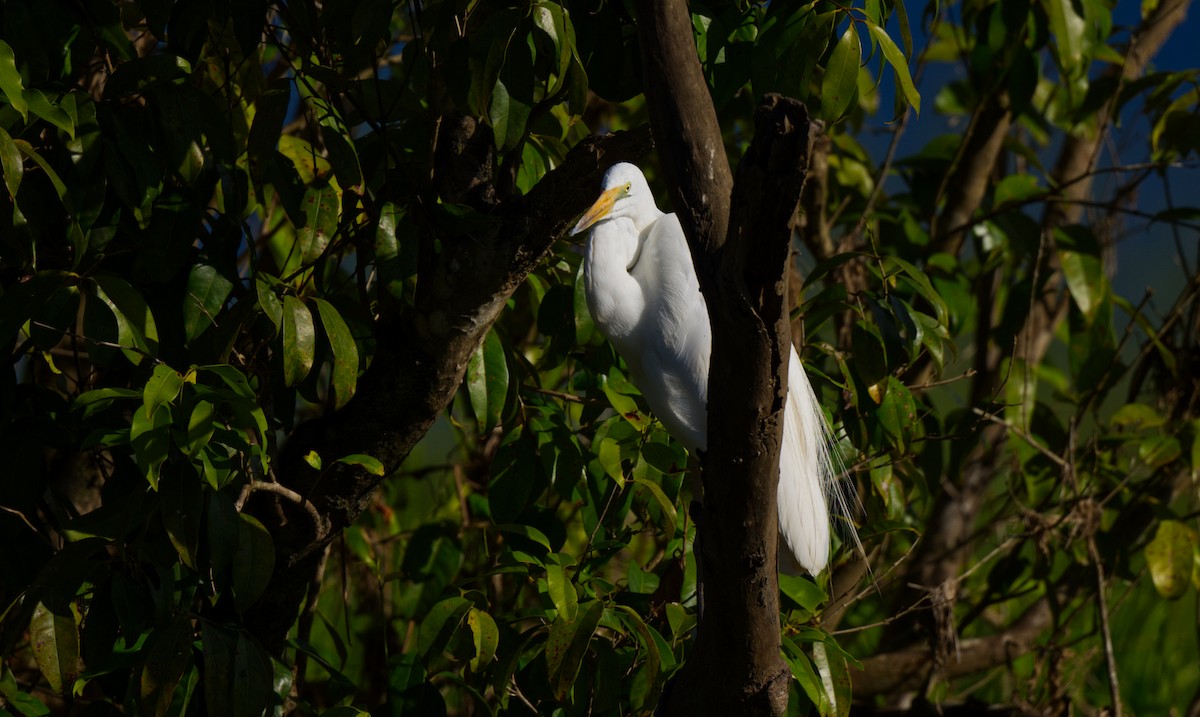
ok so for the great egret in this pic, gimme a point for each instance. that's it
(644, 297)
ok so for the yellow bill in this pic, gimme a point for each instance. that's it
(600, 209)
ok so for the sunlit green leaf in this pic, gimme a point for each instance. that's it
(486, 637)
(137, 332)
(344, 376)
(369, 464)
(162, 388)
(207, 290)
(562, 592)
(299, 340)
(839, 87)
(1169, 556)
(54, 637)
(898, 62)
(10, 81)
(11, 164)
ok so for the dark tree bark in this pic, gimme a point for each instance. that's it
(740, 244)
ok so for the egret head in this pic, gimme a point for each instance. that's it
(626, 194)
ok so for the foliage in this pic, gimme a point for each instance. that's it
(211, 209)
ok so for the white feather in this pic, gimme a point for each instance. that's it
(642, 290)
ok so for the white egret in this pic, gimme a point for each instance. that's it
(644, 297)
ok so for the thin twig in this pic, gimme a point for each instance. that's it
(1110, 659)
(294, 497)
(1022, 435)
(561, 395)
(886, 167)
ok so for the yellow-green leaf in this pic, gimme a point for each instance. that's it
(10, 81)
(54, 636)
(299, 340)
(1169, 556)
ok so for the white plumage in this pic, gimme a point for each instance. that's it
(644, 297)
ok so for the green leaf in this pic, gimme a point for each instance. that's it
(558, 583)
(231, 377)
(486, 636)
(1137, 415)
(439, 625)
(166, 658)
(840, 85)
(269, 301)
(10, 162)
(200, 428)
(585, 328)
(344, 376)
(369, 464)
(667, 507)
(653, 658)
(622, 403)
(101, 398)
(27, 149)
(23, 702)
(137, 332)
(1016, 188)
(835, 678)
(10, 81)
(567, 644)
(253, 562)
(487, 381)
(408, 690)
(299, 341)
(54, 637)
(897, 412)
(182, 505)
(1079, 255)
(41, 106)
(1169, 556)
(320, 206)
(162, 388)
(237, 672)
(221, 533)
(53, 319)
(803, 591)
(270, 111)
(1159, 450)
(150, 438)
(207, 290)
(1067, 27)
(806, 676)
(526, 531)
(895, 58)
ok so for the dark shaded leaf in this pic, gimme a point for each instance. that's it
(166, 660)
(567, 644)
(252, 563)
(207, 290)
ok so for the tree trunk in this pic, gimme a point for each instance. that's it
(740, 242)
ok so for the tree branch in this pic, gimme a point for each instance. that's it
(740, 249)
